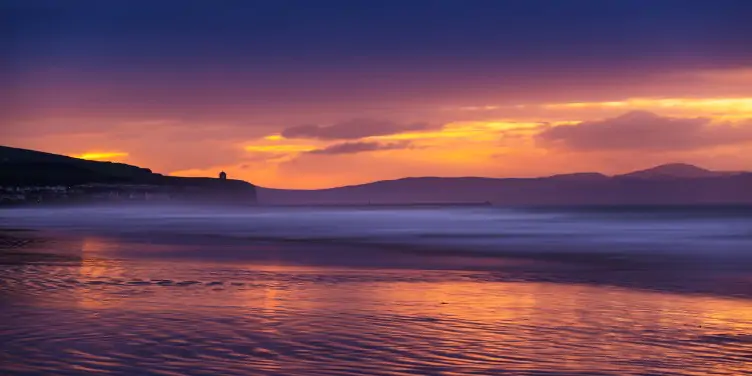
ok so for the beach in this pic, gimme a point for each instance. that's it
(353, 291)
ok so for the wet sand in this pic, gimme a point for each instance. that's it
(80, 305)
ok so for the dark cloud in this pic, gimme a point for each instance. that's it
(360, 147)
(641, 130)
(352, 129)
(234, 60)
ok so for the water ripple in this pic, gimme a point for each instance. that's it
(130, 321)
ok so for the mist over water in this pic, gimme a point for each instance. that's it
(713, 232)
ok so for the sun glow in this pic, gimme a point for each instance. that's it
(101, 156)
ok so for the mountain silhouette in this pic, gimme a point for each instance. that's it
(671, 184)
(675, 170)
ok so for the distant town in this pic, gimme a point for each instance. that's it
(20, 195)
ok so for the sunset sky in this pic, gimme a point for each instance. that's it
(311, 94)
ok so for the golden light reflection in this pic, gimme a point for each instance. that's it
(601, 319)
(95, 273)
(579, 325)
(729, 313)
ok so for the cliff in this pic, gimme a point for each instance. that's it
(28, 168)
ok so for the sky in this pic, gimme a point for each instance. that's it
(314, 94)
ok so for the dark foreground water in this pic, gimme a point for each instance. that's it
(392, 291)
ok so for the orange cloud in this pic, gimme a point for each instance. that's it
(642, 130)
(360, 147)
(725, 106)
(352, 129)
(732, 107)
(279, 148)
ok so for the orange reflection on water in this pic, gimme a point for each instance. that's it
(100, 276)
(574, 326)
(464, 322)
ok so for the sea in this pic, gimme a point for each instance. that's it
(376, 290)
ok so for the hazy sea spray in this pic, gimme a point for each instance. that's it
(697, 231)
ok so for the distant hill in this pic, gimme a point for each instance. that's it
(675, 170)
(674, 184)
(24, 168)
(580, 176)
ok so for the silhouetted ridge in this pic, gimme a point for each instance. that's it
(672, 184)
(674, 170)
(21, 168)
(584, 176)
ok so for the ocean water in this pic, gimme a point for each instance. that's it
(706, 231)
(376, 290)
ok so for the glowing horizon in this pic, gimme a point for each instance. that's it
(335, 103)
(470, 147)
